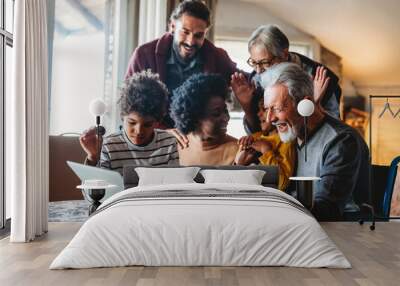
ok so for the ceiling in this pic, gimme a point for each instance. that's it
(365, 33)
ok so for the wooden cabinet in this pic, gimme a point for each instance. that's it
(63, 181)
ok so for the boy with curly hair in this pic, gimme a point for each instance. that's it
(143, 104)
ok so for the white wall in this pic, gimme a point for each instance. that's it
(365, 33)
(237, 19)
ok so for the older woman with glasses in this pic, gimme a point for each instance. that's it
(268, 46)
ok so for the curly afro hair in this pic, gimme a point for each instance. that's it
(144, 93)
(190, 100)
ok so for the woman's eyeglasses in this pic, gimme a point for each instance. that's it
(263, 63)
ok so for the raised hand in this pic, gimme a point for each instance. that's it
(321, 81)
(90, 143)
(243, 90)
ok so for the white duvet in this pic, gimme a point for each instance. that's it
(245, 225)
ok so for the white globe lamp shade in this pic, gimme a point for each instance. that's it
(97, 107)
(305, 107)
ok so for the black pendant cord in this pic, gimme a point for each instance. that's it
(98, 139)
(305, 138)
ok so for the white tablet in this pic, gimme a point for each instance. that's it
(85, 172)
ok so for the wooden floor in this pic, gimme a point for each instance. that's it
(374, 255)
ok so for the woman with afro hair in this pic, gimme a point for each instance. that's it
(199, 111)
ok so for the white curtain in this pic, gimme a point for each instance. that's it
(152, 20)
(27, 119)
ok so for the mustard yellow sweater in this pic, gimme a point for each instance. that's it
(281, 154)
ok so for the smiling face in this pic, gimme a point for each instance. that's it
(139, 129)
(214, 123)
(189, 35)
(281, 112)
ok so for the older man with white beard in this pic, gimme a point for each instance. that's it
(336, 152)
(267, 147)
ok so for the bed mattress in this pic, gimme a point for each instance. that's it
(201, 225)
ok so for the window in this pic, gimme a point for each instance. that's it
(237, 51)
(303, 49)
(6, 43)
(82, 55)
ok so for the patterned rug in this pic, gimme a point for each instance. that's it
(69, 211)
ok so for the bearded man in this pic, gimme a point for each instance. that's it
(183, 52)
(335, 151)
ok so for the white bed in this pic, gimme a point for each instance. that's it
(203, 225)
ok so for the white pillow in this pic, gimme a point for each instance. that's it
(162, 176)
(248, 177)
